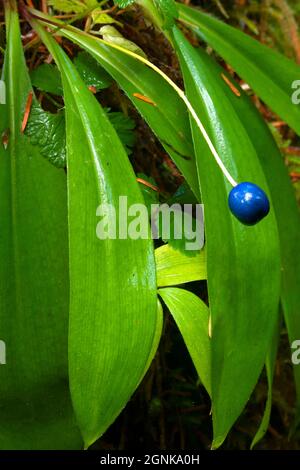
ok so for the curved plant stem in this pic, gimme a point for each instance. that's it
(179, 91)
(183, 96)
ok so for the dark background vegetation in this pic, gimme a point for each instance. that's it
(171, 409)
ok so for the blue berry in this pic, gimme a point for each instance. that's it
(248, 203)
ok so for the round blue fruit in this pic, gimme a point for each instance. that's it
(248, 203)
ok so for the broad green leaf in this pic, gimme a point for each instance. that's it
(174, 267)
(168, 119)
(157, 335)
(270, 369)
(91, 72)
(47, 131)
(183, 195)
(285, 207)
(77, 6)
(192, 318)
(99, 17)
(270, 74)
(162, 12)
(123, 3)
(2, 92)
(46, 77)
(178, 227)
(124, 126)
(112, 35)
(242, 262)
(35, 403)
(113, 310)
(168, 10)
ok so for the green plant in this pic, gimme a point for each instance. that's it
(84, 311)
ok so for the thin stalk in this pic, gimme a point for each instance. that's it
(177, 89)
(189, 106)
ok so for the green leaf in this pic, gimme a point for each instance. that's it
(192, 318)
(99, 17)
(178, 227)
(270, 74)
(157, 335)
(48, 132)
(168, 119)
(91, 72)
(35, 404)
(169, 11)
(270, 369)
(285, 207)
(69, 6)
(123, 3)
(174, 267)
(183, 195)
(112, 281)
(112, 35)
(162, 13)
(244, 302)
(2, 92)
(124, 126)
(46, 77)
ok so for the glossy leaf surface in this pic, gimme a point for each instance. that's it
(285, 208)
(270, 371)
(244, 293)
(168, 117)
(270, 74)
(192, 318)
(35, 402)
(174, 267)
(113, 311)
